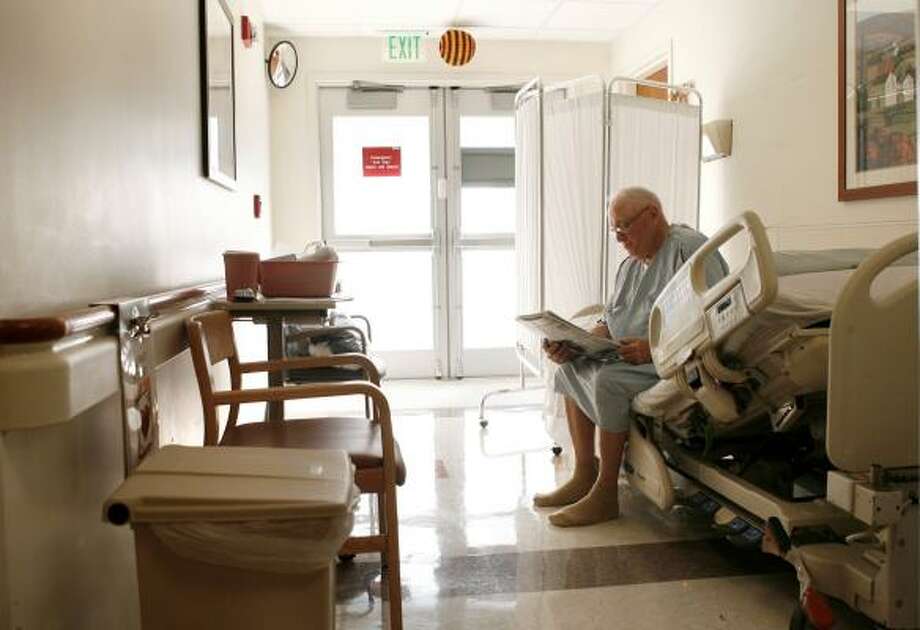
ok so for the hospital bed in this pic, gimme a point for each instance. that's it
(788, 404)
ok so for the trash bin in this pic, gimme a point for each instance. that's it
(237, 537)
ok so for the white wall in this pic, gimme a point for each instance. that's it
(101, 194)
(100, 154)
(295, 138)
(772, 67)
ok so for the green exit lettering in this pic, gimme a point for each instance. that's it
(403, 48)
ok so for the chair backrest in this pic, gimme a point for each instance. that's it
(211, 341)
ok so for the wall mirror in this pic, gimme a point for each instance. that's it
(218, 102)
(282, 64)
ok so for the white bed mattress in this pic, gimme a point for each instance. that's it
(804, 299)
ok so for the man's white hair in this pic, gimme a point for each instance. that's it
(636, 196)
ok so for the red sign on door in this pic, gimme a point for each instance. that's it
(382, 161)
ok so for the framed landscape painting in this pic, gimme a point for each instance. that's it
(876, 99)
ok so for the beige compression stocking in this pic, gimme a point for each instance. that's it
(572, 490)
(599, 505)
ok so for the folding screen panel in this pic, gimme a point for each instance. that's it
(574, 233)
(655, 144)
(528, 246)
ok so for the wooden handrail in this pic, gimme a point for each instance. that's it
(66, 323)
(38, 329)
(172, 299)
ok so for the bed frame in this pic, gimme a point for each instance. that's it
(858, 542)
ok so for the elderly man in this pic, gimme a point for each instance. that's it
(598, 393)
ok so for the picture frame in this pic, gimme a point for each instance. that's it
(218, 92)
(876, 99)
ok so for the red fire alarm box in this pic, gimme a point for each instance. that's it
(247, 31)
(382, 161)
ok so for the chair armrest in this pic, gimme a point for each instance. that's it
(296, 392)
(322, 390)
(306, 363)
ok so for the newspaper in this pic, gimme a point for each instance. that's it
(555, 328)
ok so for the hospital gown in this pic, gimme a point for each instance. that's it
(603, 389)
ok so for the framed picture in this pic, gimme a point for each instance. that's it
(218, 95)
(876, 99)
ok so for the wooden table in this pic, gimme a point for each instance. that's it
(273, 312)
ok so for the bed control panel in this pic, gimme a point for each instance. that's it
(689, 317)
(728, 313)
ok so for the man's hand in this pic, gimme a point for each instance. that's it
(635, 351)
(558, 352)
(601, 330)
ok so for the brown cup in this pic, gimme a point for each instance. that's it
(241, 271)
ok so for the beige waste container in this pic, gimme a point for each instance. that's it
(237, 537)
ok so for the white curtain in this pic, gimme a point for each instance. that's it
(654, 144)
(527, 160)
(573, 150)
(573, 220)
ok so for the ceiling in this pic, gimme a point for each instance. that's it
(576, 20)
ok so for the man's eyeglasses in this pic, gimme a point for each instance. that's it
(623, 228)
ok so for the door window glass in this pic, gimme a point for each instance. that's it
(372, 198)
(487, 210)
(393, 290)
(486, 131)
(489, 296)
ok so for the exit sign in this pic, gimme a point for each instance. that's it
(403, 48)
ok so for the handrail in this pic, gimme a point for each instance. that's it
(171, 299)
(67, 323)
(54, 327)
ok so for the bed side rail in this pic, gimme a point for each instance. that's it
(872, 406)
(688, 317)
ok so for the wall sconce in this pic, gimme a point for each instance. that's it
(717, 140)
(247, 31)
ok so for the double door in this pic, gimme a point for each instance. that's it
(418, 198)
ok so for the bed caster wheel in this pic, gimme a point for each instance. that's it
(346, 557)
(812, 612)
(799, 620)
(483, 423)
(557, 451)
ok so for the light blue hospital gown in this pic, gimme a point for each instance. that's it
(603, 390)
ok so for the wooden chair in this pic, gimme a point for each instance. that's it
(370, 444)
